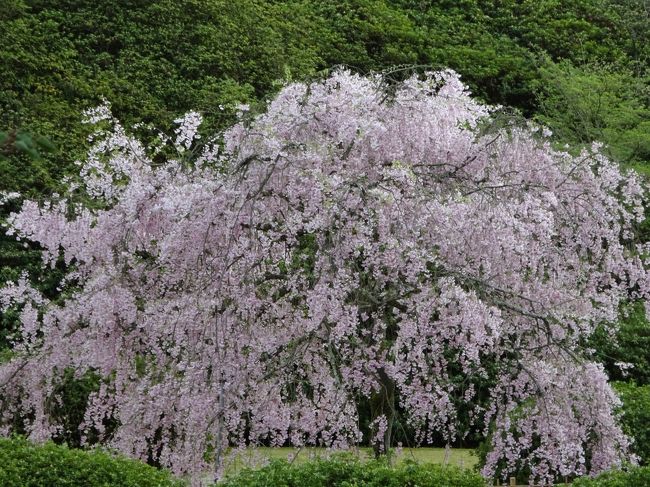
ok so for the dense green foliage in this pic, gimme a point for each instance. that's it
(23, 464)
(583, 104)
(636, 417)
(635, 477)
(630, 346)
(154, 59)
(348, 471)
(18, 141)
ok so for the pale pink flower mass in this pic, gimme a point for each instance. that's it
(352, 237)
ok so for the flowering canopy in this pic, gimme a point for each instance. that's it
(355, 238)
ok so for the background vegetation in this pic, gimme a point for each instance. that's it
(155, 59)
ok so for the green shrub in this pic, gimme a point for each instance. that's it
(23, 464)
(348, 471)
(596, 102)
(636, 477)
(636, 417)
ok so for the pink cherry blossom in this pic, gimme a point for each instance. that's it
(352, 238)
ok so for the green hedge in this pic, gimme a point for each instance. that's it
(636, 477)
(347, 471)
(23, 464)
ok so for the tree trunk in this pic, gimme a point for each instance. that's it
(382, 403)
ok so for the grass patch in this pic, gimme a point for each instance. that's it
(251, 457)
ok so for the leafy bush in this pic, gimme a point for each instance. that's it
(348, 471)
(603, 103)
(636, 477)
(636, 416)
(23, 464)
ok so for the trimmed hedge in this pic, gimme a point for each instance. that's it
(348, 471)
(635, 477)
(24, 464)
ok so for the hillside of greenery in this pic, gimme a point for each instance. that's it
(581, 67)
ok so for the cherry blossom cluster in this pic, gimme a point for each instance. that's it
(352, 239)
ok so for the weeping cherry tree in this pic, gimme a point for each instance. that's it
(355, 242)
